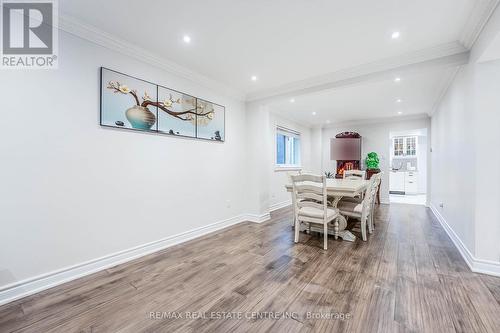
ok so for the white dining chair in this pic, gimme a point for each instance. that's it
(311, 205)
(360, 210)
(358, 200)
(354, 174)
(376, 184)
(289, 175)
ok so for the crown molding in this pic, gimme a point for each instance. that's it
(90, 33)
(445, 86)
(480, 15)
(373, 121)
(280, 113)
(449, 54)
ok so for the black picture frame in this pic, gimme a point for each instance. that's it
(213, 134)
(105, 91)
(104, 119)
(194, 106)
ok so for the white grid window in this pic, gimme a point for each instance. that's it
(287, 148)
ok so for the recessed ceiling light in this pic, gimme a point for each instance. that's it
(254, 78)
(398, 79)
(328, 121)
(395, 35)
(292, 100)
(400, 112)
(399, 100)
(186, 39)
(313, 113)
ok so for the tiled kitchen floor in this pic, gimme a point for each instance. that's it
(416, 199)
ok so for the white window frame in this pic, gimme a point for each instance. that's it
(290, 134)
(401, 141)
(407, 140)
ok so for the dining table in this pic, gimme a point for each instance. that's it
(336, 190)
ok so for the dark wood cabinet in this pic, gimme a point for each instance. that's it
(345, 148)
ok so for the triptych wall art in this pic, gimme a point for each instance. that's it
(131, 103)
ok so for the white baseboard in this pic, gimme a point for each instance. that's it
(257, 218)
(476, 265)
(280, 205)
(42, 282)
(266, 216)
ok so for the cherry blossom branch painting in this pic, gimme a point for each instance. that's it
(141, 117)
(131, 103)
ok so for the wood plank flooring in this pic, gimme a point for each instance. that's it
(408, 277)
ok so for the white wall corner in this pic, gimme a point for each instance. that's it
(445, 85)
(258, 218)
(476, 265)
(280, 205)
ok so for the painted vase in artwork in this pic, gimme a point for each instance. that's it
(140, 117)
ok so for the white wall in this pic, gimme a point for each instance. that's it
(488, 159)
(258, 158)
(317, 150)
(375, 137)
(465, 140)
(452, 159)
(72, 191)
(278, 179)
(422, 162)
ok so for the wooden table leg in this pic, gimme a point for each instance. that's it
(340, 224)
(336, 228)
(378, 193)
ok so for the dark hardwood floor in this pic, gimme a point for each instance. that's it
(408, 276)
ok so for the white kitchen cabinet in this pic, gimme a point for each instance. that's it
(404, 146)
(411, 182)
(396, 181)
(403, 182)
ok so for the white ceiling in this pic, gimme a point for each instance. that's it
(280, 41)
(367, 100)
(288, 41)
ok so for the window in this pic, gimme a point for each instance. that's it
(404, 146)
(287, 148)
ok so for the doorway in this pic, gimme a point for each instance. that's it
(408, 167)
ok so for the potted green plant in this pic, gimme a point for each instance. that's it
(372, 161)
